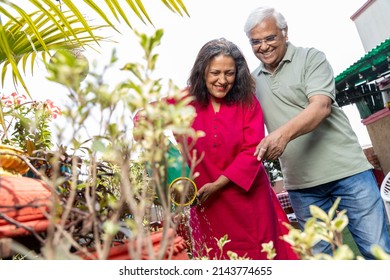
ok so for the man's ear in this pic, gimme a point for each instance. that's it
(285, 33)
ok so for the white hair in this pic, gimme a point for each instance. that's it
(261, 13)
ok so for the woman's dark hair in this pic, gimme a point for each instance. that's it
(243, 87)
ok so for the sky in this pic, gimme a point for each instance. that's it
(325, 25)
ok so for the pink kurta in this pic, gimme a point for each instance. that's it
(246, 209)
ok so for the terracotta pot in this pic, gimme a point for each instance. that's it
(24, 200)
(176, 249)
(10, 163)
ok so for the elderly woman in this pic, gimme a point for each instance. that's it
(235, 196)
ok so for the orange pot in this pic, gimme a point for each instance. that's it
(176, 249)
(24, 200)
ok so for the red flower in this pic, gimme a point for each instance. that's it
(53, 109)
(12, 100)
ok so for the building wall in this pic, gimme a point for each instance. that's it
(378, 127)
(372, 21)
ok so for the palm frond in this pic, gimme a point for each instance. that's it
(22, 41)
(8, 53)
(176, 6)
(49, 26)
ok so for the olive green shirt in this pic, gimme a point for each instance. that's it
(332, 150)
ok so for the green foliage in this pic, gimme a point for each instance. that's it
(269, 249)
(31, 34)
(379, 253)
(27, 123)
(155, 115)
(221, 244)
(68, 67)
(323, 226)
(110, 200)
(62, 25)
(114, 201)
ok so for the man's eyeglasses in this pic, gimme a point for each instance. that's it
(268, 40)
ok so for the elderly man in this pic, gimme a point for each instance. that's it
(309, 133)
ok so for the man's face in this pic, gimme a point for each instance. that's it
(269, 43)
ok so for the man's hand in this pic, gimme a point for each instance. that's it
(274, 144)
(271, 147)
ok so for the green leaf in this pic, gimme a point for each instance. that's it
(318, 213)
(176, 6)
(142, 8)
(333, 209)
(379, 253)
(100, 12)
(340, 222)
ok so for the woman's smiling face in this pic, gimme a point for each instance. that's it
(220, 75)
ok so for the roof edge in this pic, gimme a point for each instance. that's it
(362, 9)
(365, 59)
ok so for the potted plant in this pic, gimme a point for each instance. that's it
(27, 130)
(65, 213)
(110, 206)
(53, 27)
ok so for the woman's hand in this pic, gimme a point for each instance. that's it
(209, 189)
(206, 191)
